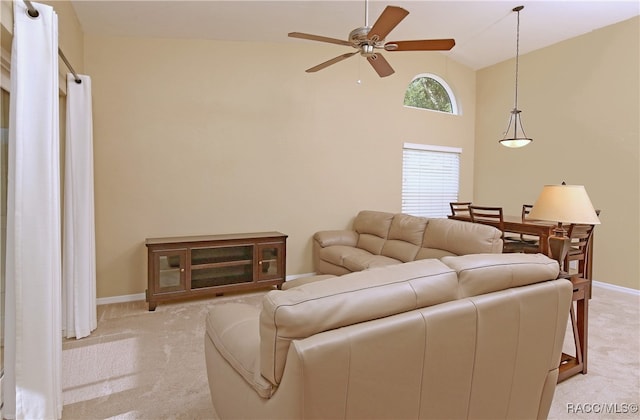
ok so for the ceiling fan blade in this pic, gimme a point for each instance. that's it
(380, 65)
(389, 19)
(330, 62)
(421, 45)
(319, 38)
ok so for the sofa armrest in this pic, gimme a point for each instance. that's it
(336, 237)
(233, 330)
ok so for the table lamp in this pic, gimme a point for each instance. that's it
(563, 204)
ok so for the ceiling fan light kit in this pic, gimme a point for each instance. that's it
(519, 138)
(369, 38)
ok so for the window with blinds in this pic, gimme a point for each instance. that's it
(430, 179)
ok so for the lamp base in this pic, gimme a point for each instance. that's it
(559, 247)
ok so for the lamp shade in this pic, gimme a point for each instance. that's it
(565, 204)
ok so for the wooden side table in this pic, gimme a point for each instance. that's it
(572, 365)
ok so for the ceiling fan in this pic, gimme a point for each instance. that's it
(369, 38)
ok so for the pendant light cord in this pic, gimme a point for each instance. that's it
(517, 10)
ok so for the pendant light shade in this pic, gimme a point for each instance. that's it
(518, 137)
(514, 135)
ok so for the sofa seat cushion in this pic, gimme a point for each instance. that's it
(337, 253)
(339, 301)
(484, 273)
(359, 261)
(234, 330)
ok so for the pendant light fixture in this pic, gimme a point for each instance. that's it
(514, 135)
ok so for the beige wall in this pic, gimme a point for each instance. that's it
(204, 137)
(195, 137)
(580, 102)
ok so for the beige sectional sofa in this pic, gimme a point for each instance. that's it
(381, 238)
(474, 336)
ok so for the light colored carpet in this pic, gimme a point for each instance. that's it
(150, 365)
(611, 387)
(142, 365)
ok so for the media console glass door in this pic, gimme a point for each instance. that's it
(218, 266)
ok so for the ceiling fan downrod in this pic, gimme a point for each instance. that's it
(366, 13)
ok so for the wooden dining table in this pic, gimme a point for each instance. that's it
(541, 228)
(515, 224)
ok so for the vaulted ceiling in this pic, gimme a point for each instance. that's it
(484, 30)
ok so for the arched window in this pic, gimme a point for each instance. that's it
(429, 91)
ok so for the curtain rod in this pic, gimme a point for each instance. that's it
(33, 12)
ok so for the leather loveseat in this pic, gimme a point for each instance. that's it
(381, 238)
(474, 336)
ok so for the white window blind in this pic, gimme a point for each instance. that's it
(430, 179)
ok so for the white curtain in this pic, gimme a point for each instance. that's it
(78, 237)
(33, 348)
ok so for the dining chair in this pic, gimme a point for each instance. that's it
(460, 208)
(579, 236)
(526, 209)
(494, 216)
(578, 250)
(489, 215)
(528, 244)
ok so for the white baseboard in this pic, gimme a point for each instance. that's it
(121, 299)
(142, 296)
(296, 276)
(617, 288)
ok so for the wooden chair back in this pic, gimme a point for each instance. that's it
(526, 209)
(528, 239)
(460, 208)
(579, 236)
(487, 215)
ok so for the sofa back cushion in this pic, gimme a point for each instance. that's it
(484, 273)
(405, 237)
(460, 238)
(372, 228)
(311, 308)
